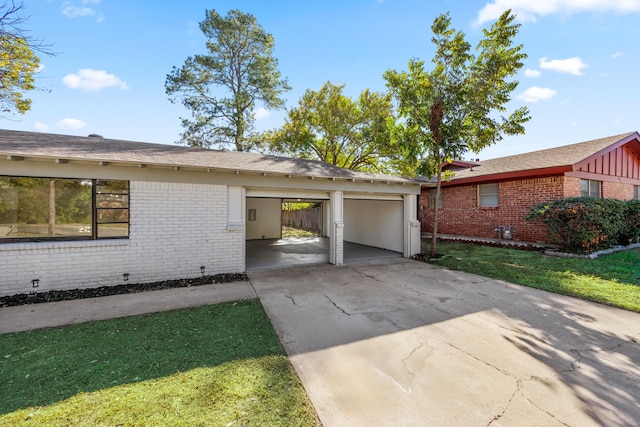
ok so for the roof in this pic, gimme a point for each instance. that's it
(544, 162)
(19, 144)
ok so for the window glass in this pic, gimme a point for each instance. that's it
(35, 209)
(589, 188)
(112, 208)
(488, 195)
(636, 192)
(432, 198)
(107, 231)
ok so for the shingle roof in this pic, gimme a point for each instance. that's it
(566, 155)
(46, 145)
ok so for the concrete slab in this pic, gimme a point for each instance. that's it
(296, 251)
(404, 343)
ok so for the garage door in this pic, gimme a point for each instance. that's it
(377, 223)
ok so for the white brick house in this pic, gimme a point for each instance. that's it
(158, 212)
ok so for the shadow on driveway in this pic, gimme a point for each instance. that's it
(400, 342)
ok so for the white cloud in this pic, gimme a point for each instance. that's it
(71, 123)
(532, 73)
(82, 8)
(41, 126)
(618, 54)
(570, 65)
(93, 80)
(537, 94)
(529, 10)
(261, 113)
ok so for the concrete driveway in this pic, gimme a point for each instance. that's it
(403, 343)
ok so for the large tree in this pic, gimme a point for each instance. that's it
(223, 87)
(329, 126)
(459, 106)
(18, 62)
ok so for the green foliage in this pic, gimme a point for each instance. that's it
(459, 105)
(213, 365)
(221, 89)
(296, 206)
(18, 62)
(333, 128)
(25, 200)
(630, 232)
(585, 224)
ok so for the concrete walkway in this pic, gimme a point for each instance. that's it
(404, 343)
(36, 316)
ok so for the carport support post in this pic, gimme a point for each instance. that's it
(336, 235)
(411, 226)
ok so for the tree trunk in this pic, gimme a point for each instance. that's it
(434, 234)
(435, 119)
(51, 228)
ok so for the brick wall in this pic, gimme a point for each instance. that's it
(461, 215)
(617, 190)
(174, 229)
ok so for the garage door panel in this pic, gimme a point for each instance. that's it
(377, 223)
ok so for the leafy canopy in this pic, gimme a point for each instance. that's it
(329, 126)
(459, 105)
(18, 62)
(222, 88)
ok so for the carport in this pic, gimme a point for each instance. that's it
(356, 226)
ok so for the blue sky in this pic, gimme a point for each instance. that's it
(580, 79)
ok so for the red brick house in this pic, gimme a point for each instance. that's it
(485, 199)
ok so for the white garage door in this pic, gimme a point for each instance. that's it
(377, 223)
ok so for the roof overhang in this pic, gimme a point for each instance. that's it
(525, 174)
(632, 141)
(100, 162)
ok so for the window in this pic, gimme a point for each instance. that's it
(432, 198)
(34, 209)
(636, 192)
(589, 188)
(488, 195)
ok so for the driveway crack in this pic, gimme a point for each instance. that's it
(336, 305)
(519, 390)
(292, 300)
(482, 361)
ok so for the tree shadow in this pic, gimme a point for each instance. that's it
(587, 348)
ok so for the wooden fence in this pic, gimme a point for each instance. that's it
(306, 219)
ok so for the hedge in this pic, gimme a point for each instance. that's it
(585, 225)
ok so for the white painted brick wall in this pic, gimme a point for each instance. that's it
(174, 229)
(415, 238)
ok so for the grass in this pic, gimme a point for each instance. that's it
(612, 279)
(289, 232)
(213, 365)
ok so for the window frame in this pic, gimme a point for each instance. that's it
(590, 183)
(94, 235)
(483, 196)
(432, 193)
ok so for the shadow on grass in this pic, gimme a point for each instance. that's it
(45, 366)
(613, 279)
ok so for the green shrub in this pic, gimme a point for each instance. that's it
(584, 224)
(631, 231)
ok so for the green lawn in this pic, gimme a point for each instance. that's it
(612, 279)
(214, 365)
